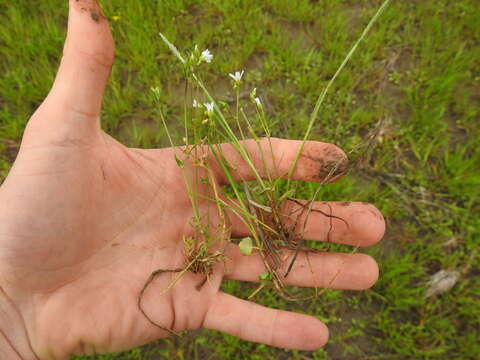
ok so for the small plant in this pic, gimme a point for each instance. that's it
(259, 203)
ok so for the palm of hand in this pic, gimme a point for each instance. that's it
(87, 220)
(124, 212)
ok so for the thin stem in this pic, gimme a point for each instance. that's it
(237, 87)
(185, 113)
(321, 98)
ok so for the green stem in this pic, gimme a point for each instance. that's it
(321, 98)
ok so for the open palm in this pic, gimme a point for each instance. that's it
(86, 220)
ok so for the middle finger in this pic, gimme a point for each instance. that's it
(351, 223)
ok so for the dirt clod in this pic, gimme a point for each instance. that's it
(94, 15)
(92, 7)
(328, 167)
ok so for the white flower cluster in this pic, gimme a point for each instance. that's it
(255, 98)
(209, 107)
(197, 57)
(206, 56)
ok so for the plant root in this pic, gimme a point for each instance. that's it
(152, 276)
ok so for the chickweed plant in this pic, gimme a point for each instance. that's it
(211, 128)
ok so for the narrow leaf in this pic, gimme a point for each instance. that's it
(263, 207)
(180, 163)
(172, 48)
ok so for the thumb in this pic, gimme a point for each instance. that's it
(74, 102)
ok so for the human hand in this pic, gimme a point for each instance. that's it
(86, 220)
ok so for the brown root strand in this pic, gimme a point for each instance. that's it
(152, 276)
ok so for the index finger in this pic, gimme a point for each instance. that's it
(273, 158)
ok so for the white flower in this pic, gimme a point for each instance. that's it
(237, 77)
(196, 104)
(206, 56)
(209, 108)
(257, 101)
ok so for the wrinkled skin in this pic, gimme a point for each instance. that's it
(85, 220)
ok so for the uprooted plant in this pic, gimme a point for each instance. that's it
(262, 203)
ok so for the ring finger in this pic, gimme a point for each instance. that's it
(310, 269)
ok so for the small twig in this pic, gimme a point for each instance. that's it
(256, 291)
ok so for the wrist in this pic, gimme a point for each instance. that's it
(14, 342)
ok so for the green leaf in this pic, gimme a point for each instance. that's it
(180, 163)
(246, 246)
(265, 276)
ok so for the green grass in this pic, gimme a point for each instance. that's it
(418, 71)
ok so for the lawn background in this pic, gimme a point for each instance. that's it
(418, 72)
